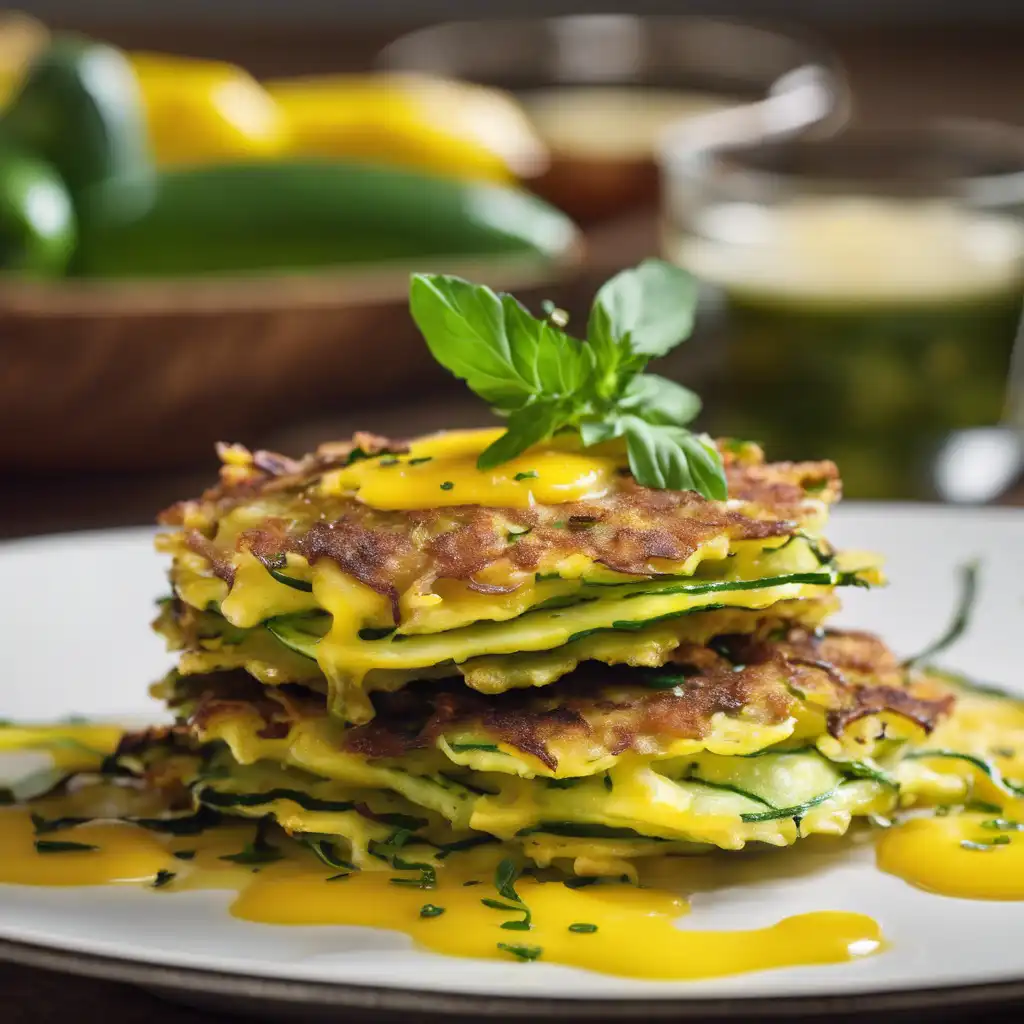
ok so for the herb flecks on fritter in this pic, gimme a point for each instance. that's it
(627, 530)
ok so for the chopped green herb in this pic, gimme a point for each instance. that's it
(608, 784)
(390, 851)
(163, 878)
(253, 855)
(1000, 841)
(340, 877)
(498, 905)
(55, 846)
(531, 475)
(472, 881)
(420, 459)
(516, 926)
(184, 854)
(447, 485)
(41, 826)
(429, 910)
(391, 460)
(446, 849)
(961, 617)
(579, 883)
(582, 928)
(1003, 825)
(259, 851)
(521, 952)
(360, 454)
(505, 876)
(967, 844)
(981, 807)
(459, 747)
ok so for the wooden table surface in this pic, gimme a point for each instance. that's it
(899, 75)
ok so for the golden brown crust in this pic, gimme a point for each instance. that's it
(614, 708)
(630, 530)
(246, 475)
(392, 551)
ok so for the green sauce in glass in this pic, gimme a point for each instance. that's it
(863, 330)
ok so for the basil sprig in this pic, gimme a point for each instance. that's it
(544, 381)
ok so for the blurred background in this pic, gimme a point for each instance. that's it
(209, 210)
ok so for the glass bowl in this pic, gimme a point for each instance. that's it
(604, 89)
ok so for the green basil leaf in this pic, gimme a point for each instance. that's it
(506, 355)
(525, 427)
(670, 458)
(464, 327)
(660, 400)
(598, 431)
(652, 304)
(613, 354)
(705, 466)
(558, 364)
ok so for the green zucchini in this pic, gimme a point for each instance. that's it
(784, 784)
(796, 811)
(80, 109)
(289, 581)
(585, 830)
(326, 852)
(983, 765)
(301, 633)
(221, 800)
(287, 216)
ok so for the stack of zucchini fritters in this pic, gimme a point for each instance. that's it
(619, 673)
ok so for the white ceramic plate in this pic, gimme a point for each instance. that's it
(74, 638)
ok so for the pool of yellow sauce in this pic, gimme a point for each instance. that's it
(973, 856)
(634, 929)
(441, 470)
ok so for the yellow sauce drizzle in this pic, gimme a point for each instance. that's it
(635, 936)
(74, 747)
(942, 855)
(441, 470)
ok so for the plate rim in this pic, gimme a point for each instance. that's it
(168, 981)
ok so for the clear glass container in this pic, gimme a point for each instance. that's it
(862, 293)
(602, 89)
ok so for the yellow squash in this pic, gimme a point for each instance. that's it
(452, 128)
(202, 112)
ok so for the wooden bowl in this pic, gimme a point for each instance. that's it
(145, 375)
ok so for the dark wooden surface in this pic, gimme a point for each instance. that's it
(899, 75)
